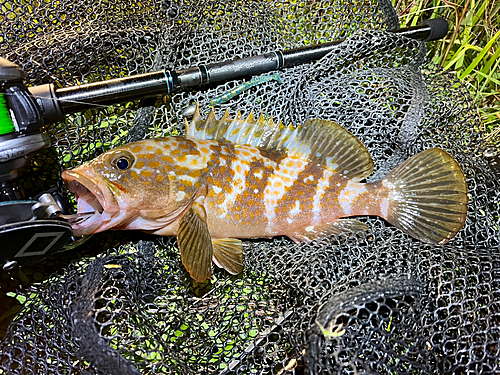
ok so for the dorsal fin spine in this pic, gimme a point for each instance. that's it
(320, 141)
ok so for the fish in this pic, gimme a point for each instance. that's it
(229, 179)
(243, 87)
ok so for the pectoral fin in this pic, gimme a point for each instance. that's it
(228, 254)
(336, 227)
(195, 243)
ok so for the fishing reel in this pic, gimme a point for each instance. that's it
(30, 229)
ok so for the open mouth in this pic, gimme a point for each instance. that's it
(90, 202)
(86, 200)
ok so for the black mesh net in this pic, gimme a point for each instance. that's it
(381, 302)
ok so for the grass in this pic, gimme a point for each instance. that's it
(471, 50)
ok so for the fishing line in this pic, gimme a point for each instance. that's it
(4, 104)
(6, 123)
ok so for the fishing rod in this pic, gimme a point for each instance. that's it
(58, 102)
(32, 228)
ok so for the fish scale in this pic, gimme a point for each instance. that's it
(304, 183)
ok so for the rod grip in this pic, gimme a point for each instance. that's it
(438, 28)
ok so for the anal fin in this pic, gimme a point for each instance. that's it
(336, 227)
(195, 243)
(228, 254)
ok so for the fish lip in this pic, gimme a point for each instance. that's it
(84, 187)
(76, 182)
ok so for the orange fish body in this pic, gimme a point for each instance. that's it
(247, 178)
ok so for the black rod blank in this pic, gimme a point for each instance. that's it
(57, 103)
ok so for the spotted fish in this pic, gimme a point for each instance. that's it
(228, 179)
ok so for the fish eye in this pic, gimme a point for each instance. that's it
(123, 162)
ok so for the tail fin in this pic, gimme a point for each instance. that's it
(427, 196)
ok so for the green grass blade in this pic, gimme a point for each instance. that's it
(479, 57)
(487, 69)
(489, 78)
(458, 55)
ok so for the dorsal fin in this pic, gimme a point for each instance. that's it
(321, 141)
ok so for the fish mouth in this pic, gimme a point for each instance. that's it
(91, 200)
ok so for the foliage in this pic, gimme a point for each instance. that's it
(471, 49)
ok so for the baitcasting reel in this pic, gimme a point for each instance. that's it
(30, 229)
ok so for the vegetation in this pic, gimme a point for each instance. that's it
(471, 49)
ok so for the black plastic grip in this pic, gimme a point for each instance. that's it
(438, 28)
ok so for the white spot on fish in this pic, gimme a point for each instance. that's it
(394, 190)
(258, 174)
(309, 178)
(179, 196)
(310, 229)
(384, 207)
(296, 210)
(293, 212)
(255, 191)
(323, 183)
(216, 189)
(200, 163)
